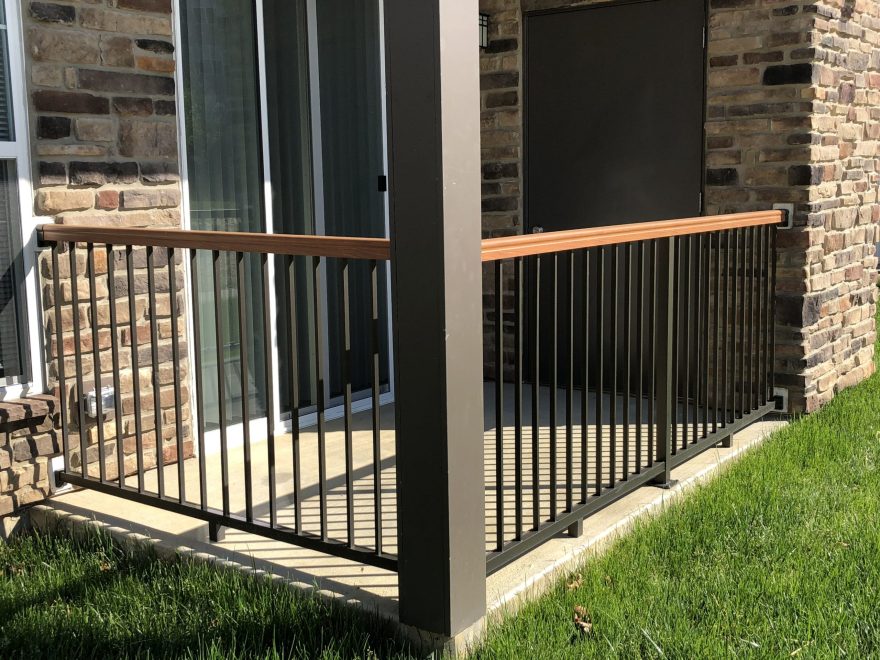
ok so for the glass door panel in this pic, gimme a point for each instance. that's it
(290, 151)
(221, 92)
(324, 148)
(353, 156)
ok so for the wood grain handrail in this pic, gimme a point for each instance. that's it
(509, 247)
(225, 241)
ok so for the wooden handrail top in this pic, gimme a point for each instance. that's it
(340, 247)
(509, 247)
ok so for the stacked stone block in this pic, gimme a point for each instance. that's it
(28, 437)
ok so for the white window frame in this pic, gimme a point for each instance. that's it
(33, 380)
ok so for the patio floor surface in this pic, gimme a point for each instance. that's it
(371, 587)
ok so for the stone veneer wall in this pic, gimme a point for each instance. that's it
(28, 437)
(843, 212)
(104, 147)
(789, 120)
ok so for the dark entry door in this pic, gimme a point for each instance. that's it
(614, 114)
(614, 102)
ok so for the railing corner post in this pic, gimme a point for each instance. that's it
(434, 160)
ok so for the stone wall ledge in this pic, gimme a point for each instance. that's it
(30, 409)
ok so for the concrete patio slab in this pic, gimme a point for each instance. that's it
(372, 588)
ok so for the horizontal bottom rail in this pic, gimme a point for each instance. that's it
(307, 541)
(516, 549)
(530, 541)
(684, 455)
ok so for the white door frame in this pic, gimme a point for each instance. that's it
(258, 427)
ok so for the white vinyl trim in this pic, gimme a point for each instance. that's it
(19, 152)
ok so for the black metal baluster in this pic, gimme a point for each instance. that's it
(652, 354)
(716, 344)
(585, 391)
(154, 365)
(751, 315)
(96, 361)
(518, 394)
(200, 399)
(706, 244)
(345, 367)
(600, 371)
(675, 308)
(319, 381)
(499, 405)
(760, 339)
(135, 367)
(536, 395)
(554, 386)
(640, 353)
(59, 353)
(755, 365)
(734, 382)
(270, 388)
(175, 357)
(77, 347)
(729, 327)
(114, 357)
(695, 377)
(725, 337)
(221, 380)
(293, 375)
(244, 361)
(765, 322)
(772, 320)
(693, 343)
(627, 351)
(376, 418)
(742, 325)
(615, 317)
(569, 395)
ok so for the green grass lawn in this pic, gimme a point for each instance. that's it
(62, 598)
(778, 557)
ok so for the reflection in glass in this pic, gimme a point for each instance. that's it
(13, 338)
(221, 98)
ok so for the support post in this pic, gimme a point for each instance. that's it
(666, 398)
(216, 532)
(432, 61)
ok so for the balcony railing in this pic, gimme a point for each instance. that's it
(140, 448)
(617, 354)
(614, 355)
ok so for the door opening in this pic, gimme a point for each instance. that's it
(284, 129)
(614, 106)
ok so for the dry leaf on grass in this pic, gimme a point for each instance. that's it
(576, 583)
(582, 621)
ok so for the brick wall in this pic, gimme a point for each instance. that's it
(789, 120)
(104, 146)
(841, 219)
(501, 114)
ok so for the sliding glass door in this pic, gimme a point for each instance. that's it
(284, 125)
